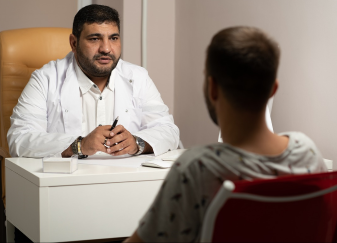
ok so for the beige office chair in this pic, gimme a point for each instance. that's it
(21, 52)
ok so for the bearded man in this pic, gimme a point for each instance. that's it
(68, 105)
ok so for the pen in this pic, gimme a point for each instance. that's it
(114, 124)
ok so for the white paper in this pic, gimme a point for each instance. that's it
(157, 163)
(118, 161)
(171, 155)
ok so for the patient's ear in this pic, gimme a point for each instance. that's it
(213, 89)
(274, 89)
(73, 42)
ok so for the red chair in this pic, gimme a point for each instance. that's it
(300, 208)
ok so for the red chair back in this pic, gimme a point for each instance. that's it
(311, 219)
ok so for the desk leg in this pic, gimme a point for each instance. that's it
(9, 231)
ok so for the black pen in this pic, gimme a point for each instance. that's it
(114, 124)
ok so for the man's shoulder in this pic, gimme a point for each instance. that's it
(56, 66)
(130, 69)
(299, 138)
(196, 155)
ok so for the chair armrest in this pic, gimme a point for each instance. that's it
(3, 154)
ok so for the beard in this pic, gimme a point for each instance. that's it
(210, 107)
(89, 67)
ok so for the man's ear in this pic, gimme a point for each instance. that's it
(274, 89)
(213, 89)
(73, 42)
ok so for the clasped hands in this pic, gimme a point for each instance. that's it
(119, 141)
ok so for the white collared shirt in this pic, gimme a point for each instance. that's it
(97, 106)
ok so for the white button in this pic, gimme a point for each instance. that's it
(126, 110)
(66, 110)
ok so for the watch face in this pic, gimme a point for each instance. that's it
(140, 142)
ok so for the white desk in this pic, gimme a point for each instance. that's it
(95, 202)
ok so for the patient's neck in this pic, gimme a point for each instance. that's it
(248, 130)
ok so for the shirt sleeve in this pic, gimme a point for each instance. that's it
(173, 217)
(157, 125)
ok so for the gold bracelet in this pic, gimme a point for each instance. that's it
(79, 147)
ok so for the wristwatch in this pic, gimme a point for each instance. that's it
(76, 148)
(141, 145)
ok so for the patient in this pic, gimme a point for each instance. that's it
(240, 76)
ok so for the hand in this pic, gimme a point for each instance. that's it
(95, 140)
(122, 141)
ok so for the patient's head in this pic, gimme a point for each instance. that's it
(94, 13)
(243, 62)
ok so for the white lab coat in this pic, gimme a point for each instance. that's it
(48, 116)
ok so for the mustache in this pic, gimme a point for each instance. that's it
(111, 56)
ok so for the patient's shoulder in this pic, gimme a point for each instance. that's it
(201, 154)
(299, 139)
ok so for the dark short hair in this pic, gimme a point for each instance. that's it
(244, 62)
(94, 13)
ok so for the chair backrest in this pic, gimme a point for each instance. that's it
(22, 51)
(299, 208)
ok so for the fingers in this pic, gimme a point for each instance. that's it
(126, 144)
(104, 149)
(119, 141)
(119, 135)
(105, 131)
(120, 146)
(118, 129)
(101, 133)
(121, 152)
(126, 150)
(95, 140)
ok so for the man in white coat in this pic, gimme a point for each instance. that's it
(68, 105)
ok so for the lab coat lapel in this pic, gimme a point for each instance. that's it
(123, 96)
(71, 103)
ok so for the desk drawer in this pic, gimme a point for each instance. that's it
(98, 211)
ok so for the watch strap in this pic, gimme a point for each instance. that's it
(79, 148)
(141, 145)
(76, 148)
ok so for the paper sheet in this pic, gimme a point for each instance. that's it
(118, 161)
(158, 163)
(171, 155)
(129, 160)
